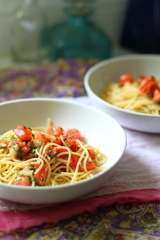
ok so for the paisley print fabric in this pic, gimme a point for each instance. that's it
(130, 221)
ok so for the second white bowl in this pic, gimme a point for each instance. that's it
(104, 72)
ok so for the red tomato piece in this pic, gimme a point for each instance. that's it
(61, 150)
(92, 153)
(125, 78)
(41, 175)
(50, 130)
(23, 181)
(148, 85)
(153, 88)
(156, 96)
(25, 134)
(57, 140)
(24, 150)
(89, 166)
(58, 131)
(74, 159)
(40, 137)
(141, 77)
(72, 135)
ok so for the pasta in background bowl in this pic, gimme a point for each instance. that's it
(44, 162)
(129, 104)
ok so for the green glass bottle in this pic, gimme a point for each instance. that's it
(79, 37)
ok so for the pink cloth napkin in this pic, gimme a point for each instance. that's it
(13, 219)
(136, 178)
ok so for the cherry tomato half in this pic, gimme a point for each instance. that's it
(125, 78)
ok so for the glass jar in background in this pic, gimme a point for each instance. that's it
(29, 34)
(79, 37)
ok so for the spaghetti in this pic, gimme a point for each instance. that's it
(140, 95)
(47, 157)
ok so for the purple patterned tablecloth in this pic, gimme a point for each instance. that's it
(63, 78)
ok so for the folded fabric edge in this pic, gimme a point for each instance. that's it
(14, 220)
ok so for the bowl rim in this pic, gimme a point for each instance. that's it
(67, 101)
(110, 61)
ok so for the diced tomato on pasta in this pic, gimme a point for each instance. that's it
(92, 153)
(23, 181)
(55, 131)
(52, 150)
(89, 165)
(156, 96)
(58, 131)
(40, 137)
(125, 78)
(148, 85)
(61, 150)
(74, 159)
(25, 150)
(72, 135)
(41, 175)
(25, 134)
(50, 130)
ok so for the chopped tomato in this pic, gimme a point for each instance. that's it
(41, 175)
(23, 181)
(64, 152)
(153, 88)
(57, 140)
(89, 166)
(40, 137)
(60, 150)
(74, 159)
(25, 134)
(92, 153)
(50, 130)
(72, 135)
(58, 131)
(141, 77)
(148, 85)
(125, 78)
(156, 96)
(24, 150)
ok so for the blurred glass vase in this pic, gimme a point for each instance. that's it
(79, 36)
(28, 25)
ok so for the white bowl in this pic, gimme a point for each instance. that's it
(98, 76)
(98, 128)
